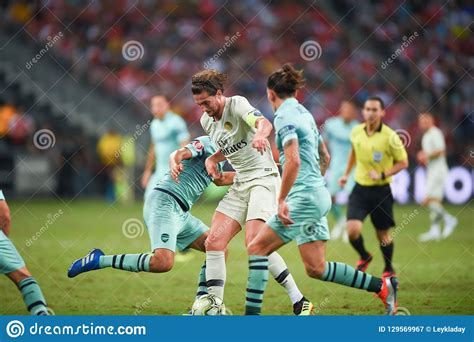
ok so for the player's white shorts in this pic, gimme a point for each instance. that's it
(252, 200)
(435, 182)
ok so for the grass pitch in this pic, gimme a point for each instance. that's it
(435, 278)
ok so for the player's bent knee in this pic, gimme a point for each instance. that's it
(353, 229)
(162, 262)
(213, 244)
(256, 247)
(315, 271)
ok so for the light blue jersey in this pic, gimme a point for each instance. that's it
(2, 198)
(337, 134)
(167, 135)
(308, 201)
(293, 121)
(194, 178)
(170, 224)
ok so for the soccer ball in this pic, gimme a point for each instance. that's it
(208, 305)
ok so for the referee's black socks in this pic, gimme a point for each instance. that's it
(358, 245)
(387, 251)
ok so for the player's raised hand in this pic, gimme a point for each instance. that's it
(259, 143)
(374, 175)
(212, 168)
(284, 213)
(342, 181)
(176, 171)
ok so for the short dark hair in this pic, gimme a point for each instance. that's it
(351, 102)
(160, 95)
(376, 98)
(286, 81)
(208, 80)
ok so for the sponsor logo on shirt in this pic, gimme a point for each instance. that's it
(227, 149)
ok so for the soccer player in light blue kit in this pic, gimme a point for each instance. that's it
(337, 134)
(166, 213)
(13, 266)
(168, 133)
(303, 202)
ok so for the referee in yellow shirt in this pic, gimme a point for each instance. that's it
(377, 153)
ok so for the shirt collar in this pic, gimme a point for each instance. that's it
(288, 102)
(379, 129)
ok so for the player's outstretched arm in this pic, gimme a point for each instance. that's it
(350, 165)
(396, 168)
(264, 128)
(290, 173)
(176, 167)
(5, 219)
(324, 156)
(226, 179)
(212, 163)
(150, 161)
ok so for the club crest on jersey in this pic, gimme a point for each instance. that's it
(377, 156)
(198, 145)
(165, 237)
(228, 126)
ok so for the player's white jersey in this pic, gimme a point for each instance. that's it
(233, 136)
(433, 140)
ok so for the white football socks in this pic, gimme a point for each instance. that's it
(279, 271)
(215, 273)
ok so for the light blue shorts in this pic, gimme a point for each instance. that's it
(308, 210)
(10, 259)
(168, 225)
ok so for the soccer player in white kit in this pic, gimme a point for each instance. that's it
(240, 132)
(433, 156)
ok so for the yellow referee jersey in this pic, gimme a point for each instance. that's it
(376, 152)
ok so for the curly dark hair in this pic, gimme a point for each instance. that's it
(208, 80)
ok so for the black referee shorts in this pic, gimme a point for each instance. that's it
(376, 201)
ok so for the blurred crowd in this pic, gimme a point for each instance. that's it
(248, 39)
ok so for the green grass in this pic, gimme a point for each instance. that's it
(435, 278)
